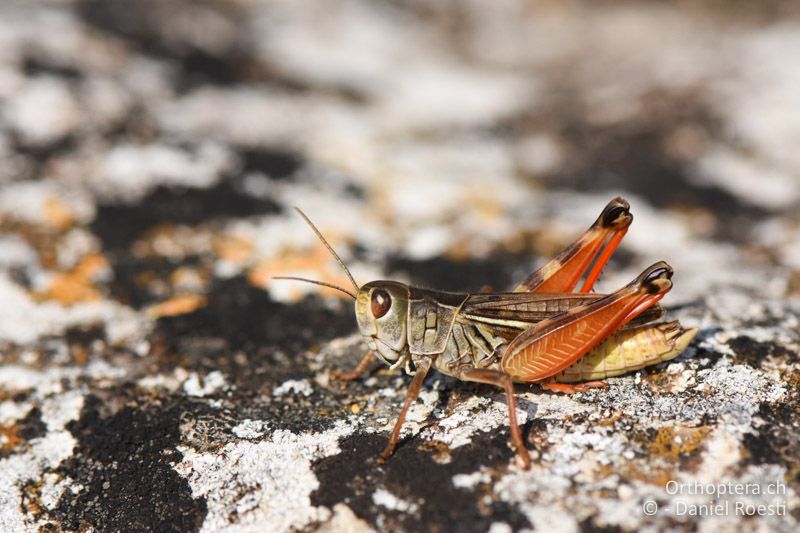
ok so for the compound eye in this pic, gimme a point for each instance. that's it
(380, 303)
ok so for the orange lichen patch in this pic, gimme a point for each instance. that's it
(9, 438)
(667, 447)
(179, 305)
(792, 380)
(603, 471)
(31, 500)
(78, 284)
(233, 248)
(611, 420)
(675, 442)
(439, 450)
(41, 238)
(658, 476)
(57, 215)
(647, 471)
(294, 262)
(658, 380)
(592, 470)
(79, 354)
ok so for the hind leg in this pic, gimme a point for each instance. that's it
(504, 381)
(562, 273)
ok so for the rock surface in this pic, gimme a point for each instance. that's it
(152, 377)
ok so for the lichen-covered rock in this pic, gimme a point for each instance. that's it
(154, 377)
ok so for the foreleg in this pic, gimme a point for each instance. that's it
(356, 372)
(413, 391)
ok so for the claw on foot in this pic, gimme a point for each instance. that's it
(524, 457)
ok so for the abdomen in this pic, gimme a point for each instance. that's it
(629, 350)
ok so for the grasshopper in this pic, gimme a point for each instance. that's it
(542, 332)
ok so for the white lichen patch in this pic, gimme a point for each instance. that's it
(250, 429)
(344, 520)
(570, 443)
(23, 321)
(765, 122)
(576, 453)
(242, 115)
(727, 390)
(46, 202)
(783, 236)
(548, 502)
(548, 518)
(389, 501)
(722, 502)
(500, 527)
(737, 172)
(53, 486)
(339, 348)
(477, 413)
(11, 411)
(211, 383)
(165, 382)
(75, 245)
(16, 253)
(418, 416)
(294, 386)
(470, 481)
(255, 483)
(131, 171)
(739, 389)
(43, 111)
(44, 455)
(19, 378)
(550, 406)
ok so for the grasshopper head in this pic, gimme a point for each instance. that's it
(381, 308)
(382, 313)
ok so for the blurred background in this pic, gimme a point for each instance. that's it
(150, 153)
(151, 135)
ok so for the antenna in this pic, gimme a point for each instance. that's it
(333, 253)
(315, 282)
(330, 249)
